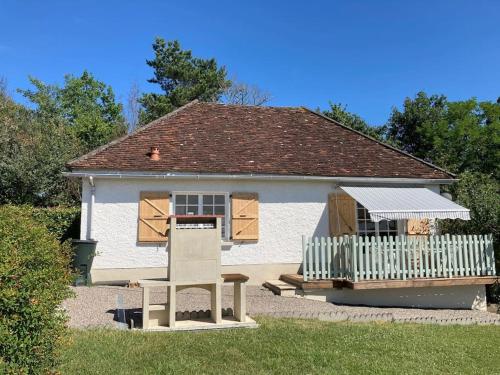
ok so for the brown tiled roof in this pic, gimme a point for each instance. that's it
(217, 138)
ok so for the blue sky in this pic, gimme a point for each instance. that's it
(369, 55)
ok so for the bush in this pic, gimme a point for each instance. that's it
(479, 193)
(34, 280)
(62, 222)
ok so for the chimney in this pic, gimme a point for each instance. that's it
(155, 153)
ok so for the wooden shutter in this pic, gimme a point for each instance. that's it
(341, 214)
(418, 226)
(153, 216)
(245, 216)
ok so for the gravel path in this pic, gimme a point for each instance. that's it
(95, 307)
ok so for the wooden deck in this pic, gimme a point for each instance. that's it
(339, 283)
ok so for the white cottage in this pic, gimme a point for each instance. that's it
(276, 174)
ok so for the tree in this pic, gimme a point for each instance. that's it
(87, 105)
(479, 193)
(245, 94)
(471, 139)
(182, 78)
(3, 87)
(339, 113)
(133, 107)
(33, 151)
(413, 128)
(459, 136)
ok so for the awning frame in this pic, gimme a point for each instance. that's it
(408, 199)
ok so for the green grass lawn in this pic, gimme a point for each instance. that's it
(288, 346)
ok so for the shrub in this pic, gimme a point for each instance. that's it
(34, 280)
(479, 193)
(62, 222)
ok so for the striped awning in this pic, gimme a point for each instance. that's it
(394, 203)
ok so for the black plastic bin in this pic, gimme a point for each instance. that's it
(83, 255)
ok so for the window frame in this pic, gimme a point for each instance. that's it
(200, 194)
(400, 224)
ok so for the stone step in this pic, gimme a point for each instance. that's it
(281, 288)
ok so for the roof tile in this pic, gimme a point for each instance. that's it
(217, 138)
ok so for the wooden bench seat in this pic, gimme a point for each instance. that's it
(234, 277)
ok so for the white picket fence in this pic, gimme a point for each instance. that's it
(400, 257)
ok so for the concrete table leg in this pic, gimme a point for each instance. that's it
(240, 301)
(171, 291)
(145, 308)
(216, 303)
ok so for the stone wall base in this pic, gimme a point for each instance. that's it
(449, 297)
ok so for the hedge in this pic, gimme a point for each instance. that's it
(62, 222)
(34, 281)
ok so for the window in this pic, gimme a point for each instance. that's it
(368, 228)
(203, 204)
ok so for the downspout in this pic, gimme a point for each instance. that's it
(89, 234)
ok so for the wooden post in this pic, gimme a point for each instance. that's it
(367, 258)
(384, 258)
(329, 257)
(379, 259)
(374, 263)
(492, 252)
(425, 241)
(448, 254)
(391, 257)
(304, 257)
(310, 248)
(414, 254)
(354, 253)
(403, 257)
(432, 251)
(335, 255)
(460, 256)
(323, 258)
(360, 253)
(397, 250)
(483, 255)
(316, 258)
(145, 308)
(476, 256)
(465, 244)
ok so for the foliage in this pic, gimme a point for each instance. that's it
(288, 346)
(87, 105)
(471, 141)
(61, 222)
(182, 78)
(339, 113)
(33, 151)
(34, 279)
(410, 128)
(458, 136)
(479, 193)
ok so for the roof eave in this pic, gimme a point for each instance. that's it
(84, 173)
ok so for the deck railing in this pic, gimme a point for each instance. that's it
(400, 257)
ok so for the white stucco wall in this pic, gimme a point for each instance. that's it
(287, 210)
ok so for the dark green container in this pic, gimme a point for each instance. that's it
(83, 255)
